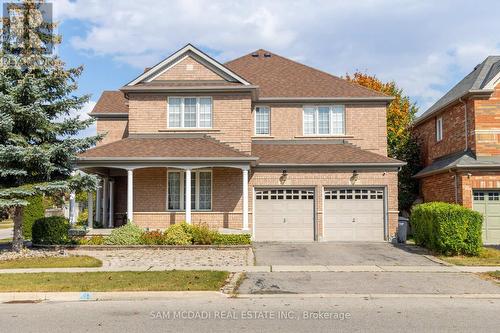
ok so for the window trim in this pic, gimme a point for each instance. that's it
(331, 108)
(255, 120)
(197, 187)
(439, 129)
(182, 98)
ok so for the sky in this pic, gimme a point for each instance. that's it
(424, 46)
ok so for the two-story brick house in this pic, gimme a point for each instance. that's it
(460, 136)
(260, 144)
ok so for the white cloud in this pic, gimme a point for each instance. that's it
(425, 46)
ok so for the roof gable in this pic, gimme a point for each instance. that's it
(280, 77)
(187, 69)
(181, 55)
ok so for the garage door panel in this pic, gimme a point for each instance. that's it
(355, 214)
(284, 215)
(487, 202)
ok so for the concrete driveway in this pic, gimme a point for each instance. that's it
(340, 253)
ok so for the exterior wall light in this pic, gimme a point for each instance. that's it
(354, 177)
(283, 177)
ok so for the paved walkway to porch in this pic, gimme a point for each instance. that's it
(168, 258)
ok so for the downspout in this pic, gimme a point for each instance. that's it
(466, 125)
(456, 187)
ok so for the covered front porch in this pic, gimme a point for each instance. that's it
(159, 180)
(157, 197)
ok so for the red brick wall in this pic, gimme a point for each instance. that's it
(487, 119)
(453, 132)
(439, 187)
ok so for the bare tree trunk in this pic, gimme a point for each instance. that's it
(17, 240)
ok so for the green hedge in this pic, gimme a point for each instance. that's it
(32, 212)
(447, 228)
(232, 239)
(51, 230)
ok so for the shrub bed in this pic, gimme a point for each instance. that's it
(447, 228)
(32, 212)
(177, 234)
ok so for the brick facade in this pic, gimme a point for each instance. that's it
(188, 69)
(365, 125)
(150, 195)
(483, 134)
(114, 129)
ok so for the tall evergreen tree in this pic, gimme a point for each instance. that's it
(38, 142)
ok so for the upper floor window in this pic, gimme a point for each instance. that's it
(262, 120)
(439, 129)
(324, 120)
(190, 112)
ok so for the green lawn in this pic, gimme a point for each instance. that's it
(487, 257)
(113, 281)
(51, 262)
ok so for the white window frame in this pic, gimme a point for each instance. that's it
(316, 119)
(197, 126)
(255, 120)
(439, 129)
(197, 187)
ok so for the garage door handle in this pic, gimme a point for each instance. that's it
(353, 220)
(284, 220)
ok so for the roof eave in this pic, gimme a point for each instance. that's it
(386, 99)
(108, 115)
(164, 159)
(455, 167)
(187, 89)
(470, 93)
(344, 165)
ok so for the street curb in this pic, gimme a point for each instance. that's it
(137, 269)
(372, 296)
(28, 297)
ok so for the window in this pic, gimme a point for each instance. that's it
(324, 120)
(439, 129)
(189, 112)
(201, 190)
(262, 120)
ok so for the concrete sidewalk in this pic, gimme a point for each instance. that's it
(267, 269)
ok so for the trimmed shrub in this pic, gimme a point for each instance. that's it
(50, 231)
(178, 234)
(154, 237)
(202, 235)
(129, 234)
(94, 240)
(232, 239)
(447, 228)
(32, 212)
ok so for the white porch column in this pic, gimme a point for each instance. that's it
(98, 202)
(111, 204)
(105, 201)
(72, 208)
(188, 196)
(90, 209)
(130, 195)
(245, 199)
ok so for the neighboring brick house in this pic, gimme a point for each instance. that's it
(460, 136)
(261, 144)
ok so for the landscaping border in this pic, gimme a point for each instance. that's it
(141, 247)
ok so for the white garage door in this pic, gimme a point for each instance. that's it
(284, 215)
(488, 204)
(354, 214)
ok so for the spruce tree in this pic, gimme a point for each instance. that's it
(38, 142)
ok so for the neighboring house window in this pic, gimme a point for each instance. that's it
(189, 112)
(262, 120)
(201, 190)
(439, 129)
(324, 120)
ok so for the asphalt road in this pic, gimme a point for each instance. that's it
(275, 314)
